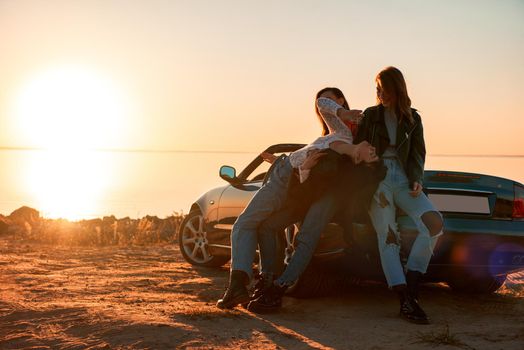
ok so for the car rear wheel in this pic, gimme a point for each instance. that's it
(193, 242)
(471, 285)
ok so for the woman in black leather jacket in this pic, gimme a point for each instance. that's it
(395, 130)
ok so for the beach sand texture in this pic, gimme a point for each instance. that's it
(150, 298)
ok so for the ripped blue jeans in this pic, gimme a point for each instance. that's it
(393, 192)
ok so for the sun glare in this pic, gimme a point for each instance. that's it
(69, 113)
(70, 108)
(68, 184)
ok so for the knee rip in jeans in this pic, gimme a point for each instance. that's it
(392, 237)
(434, 223)
(382, 200)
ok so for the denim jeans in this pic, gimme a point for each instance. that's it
(319, 214)
(269, 198)
(393, 192)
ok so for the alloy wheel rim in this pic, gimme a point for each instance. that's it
(194, 240)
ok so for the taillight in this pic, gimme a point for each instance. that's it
(518, 202)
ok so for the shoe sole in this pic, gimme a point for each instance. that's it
(235, 302)
(262, 310)
(411, 320)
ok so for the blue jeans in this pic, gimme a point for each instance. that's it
(393, 192)
(319, 214)
(269, 198)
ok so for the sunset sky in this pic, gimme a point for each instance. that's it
(240, 75)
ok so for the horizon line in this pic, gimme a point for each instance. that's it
(145, 150)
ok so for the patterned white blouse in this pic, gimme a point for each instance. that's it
(338, 131)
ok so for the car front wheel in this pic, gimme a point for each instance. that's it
(193, 242)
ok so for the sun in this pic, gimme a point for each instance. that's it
(69, 114)
(70, 107)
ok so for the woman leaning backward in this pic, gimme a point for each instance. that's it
(273, 194)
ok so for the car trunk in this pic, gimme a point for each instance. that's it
(480, 233)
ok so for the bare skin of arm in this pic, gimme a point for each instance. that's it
(363, 152)
(268, 157)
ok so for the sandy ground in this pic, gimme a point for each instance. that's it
(150, 298)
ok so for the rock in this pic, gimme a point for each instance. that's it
(25, 214)
(4, 225)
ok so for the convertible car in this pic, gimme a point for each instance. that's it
(482, 244)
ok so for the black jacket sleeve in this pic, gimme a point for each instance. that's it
(417, 154)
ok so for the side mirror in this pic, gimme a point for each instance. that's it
(228, 173)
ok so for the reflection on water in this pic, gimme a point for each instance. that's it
(123, 184)
(136, 184)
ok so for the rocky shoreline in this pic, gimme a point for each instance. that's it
(26, 224)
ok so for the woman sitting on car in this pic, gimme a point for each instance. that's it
(395, 130)
(272, 195)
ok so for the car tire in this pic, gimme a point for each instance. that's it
(193, 242)
(483, 285)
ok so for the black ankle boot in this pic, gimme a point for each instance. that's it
(269, 301)
(413, 279)
(236, 292)
(265, 281)
(410, 309)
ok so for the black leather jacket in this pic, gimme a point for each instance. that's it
(411, 149)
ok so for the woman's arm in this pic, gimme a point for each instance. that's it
(310, 161)
(328, 110)
(362, 152)
(417, 155)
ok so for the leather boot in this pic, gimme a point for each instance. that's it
(269, 301)
(410, 309)
(265, 281)
(413, 279)
(236, 292)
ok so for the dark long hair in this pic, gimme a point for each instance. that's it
(338, 93)
(394, 84)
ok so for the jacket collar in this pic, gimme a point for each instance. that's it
(404, 130)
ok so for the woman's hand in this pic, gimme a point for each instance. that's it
(312, 159)
(268, 157)
(416, 190)
(365, 153)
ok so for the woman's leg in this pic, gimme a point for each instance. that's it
(244, 234)
(382, 213)
(268, 199)
(318, 216)
(268, 233)
(429, 224)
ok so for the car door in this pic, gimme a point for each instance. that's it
(236, 197)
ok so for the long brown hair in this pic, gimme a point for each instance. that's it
(338, 94)
(393, 83)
